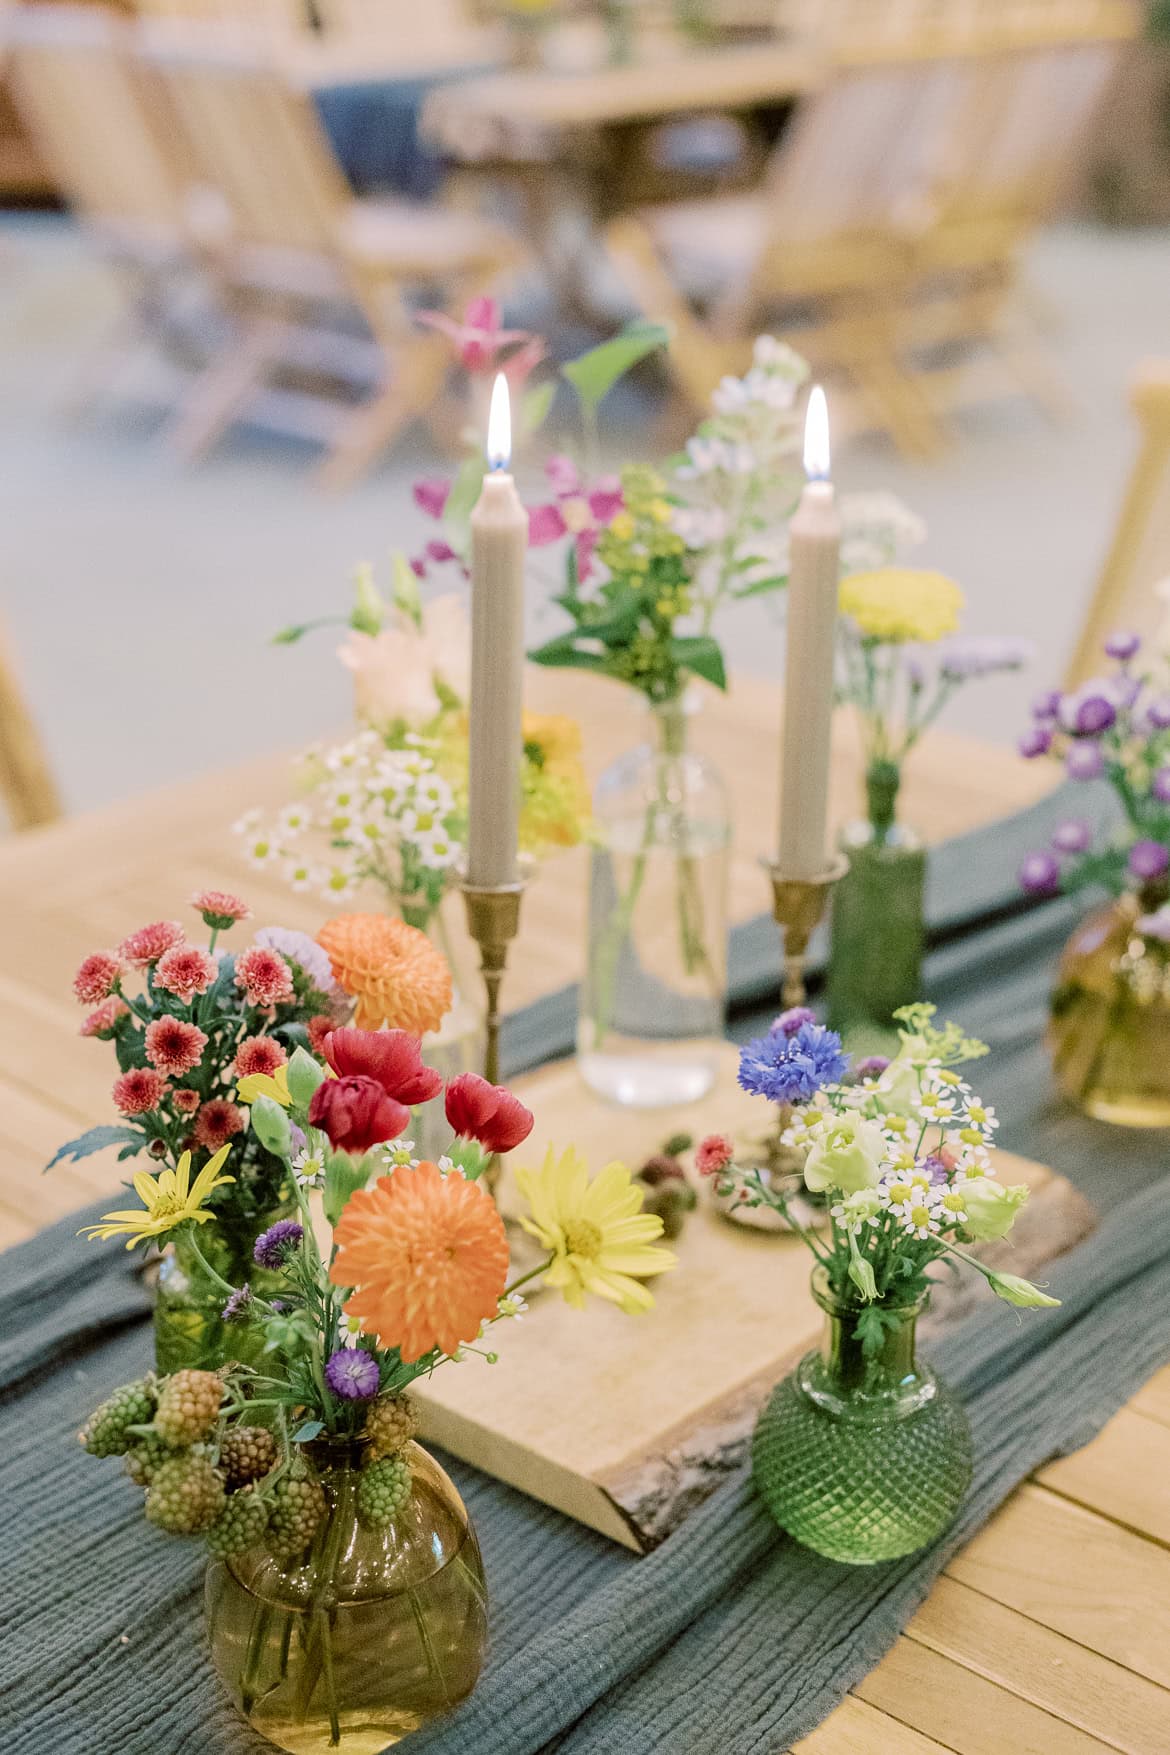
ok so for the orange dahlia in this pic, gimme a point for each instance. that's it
(427, 1258)
(392, 970)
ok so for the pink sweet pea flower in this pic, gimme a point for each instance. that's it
(479, 341)
(575, 512)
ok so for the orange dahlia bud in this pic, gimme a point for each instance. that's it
(392, 971)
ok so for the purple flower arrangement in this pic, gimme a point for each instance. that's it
(1115, 728)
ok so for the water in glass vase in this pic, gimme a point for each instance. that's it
(652, 1002)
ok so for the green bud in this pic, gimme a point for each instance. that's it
(304, 1075)
(405, 591)
(861, 1273)
(270, 1125)
(344, 1175)
(1021, 1292)
(369, 611)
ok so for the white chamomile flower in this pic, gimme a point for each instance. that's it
(438, 850)
(294, 819)
(340, 880)
(982, 1116)
(952, 1206)
(262, 851)
(302, 874)
(309, 1168)
(249, 822)
(897, 1192)
(512, 1304)
(936, 1107)
(920, 1219)
(400, 1155)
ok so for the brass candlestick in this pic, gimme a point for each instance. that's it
(797, 906)
(493, 920)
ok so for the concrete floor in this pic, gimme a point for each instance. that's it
(140, 595)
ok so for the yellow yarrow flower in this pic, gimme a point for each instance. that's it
(168, 1200)
(596, 1231)
(274, 1085)
(898, 604)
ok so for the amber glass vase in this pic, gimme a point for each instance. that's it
(1110, 1026)
(366, 1636)
(862, 1457)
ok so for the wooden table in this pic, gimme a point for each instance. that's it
(1050, 1633)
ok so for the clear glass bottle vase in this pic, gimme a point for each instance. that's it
(367, 1635)
(877, 936)
(862, 1457)
(650, 1022)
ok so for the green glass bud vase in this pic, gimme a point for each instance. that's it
(862, 1458)
(366, 1635)
(878, 924)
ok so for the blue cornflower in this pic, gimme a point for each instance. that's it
(792, 1069)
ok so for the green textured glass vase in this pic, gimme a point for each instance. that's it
(878, 931)
(862, 1459)
(366, 1636)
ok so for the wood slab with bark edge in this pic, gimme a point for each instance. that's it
(628, 1423)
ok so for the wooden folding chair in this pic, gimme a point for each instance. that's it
(26, 781)
(1138, 559)
(254, 16)
(302, 255)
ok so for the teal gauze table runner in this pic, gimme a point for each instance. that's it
(729, 1638)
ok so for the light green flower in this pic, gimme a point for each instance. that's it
(898, 1088)
(1022, 1292)
(991, 1208)
(847, 1154)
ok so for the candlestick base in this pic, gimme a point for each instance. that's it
(797, 907)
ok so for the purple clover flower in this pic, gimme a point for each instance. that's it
(1075, 836)
(789, 1022)
(1160, 785)
(1047, 705)
(1158, 712)
(969, 656)
(274, 1246)
(1036, 741)
(238, 1306)
(352, 1374)
(1122, 645)
(1089, 712)
(1084, 761)
(934, 1167)
(792, 1069)
(872, 1067)
(1149, 860)
(1040, 875)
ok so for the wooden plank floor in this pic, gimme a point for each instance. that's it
(1050, 1633)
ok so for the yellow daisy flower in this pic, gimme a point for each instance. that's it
(168, 1200)
(596, 1231)
(274, 1085)
(895, 604)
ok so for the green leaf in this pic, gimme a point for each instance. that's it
(758, 587)
(535, 405)
(290, 635)
(344, 1175)
(594, 374)
(702, 655)
(97, 1139)
(559, 655)
(871, 1328)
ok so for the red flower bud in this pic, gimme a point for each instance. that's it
(356, 1114)
(392, 1058)
(487, 1113)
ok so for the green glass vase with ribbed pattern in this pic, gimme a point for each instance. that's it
(862, 1454)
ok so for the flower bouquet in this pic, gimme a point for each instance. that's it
(187, 1023)
(346, 1601)
(901, 660)
(862, 1453)
(1110, 1028)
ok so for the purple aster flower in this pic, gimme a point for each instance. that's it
(1160, 785)
(872, 1067)
(238, 1306)
(789, 1022)
(1040, 875)
(274, 1246)
(1089, 712)
(1047, 705)
(968, 656)
(1158, 712)
(792, 1069)
(1084, 762)
(1148, 860)
(934, 1167)
(352, 1374)
(1075, 836)
(1036, 741)
(277, 1306)
(1122, 645)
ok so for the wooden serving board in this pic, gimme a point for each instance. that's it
(628, 1423)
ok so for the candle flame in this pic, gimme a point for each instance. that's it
(816, 436)
(499, 431)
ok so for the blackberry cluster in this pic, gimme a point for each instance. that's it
(383, 1491)
(246, 1454)
(188, 1406)
(186, 1495)
(104, 1433)
(390, 1425)
(242, 1525)
(297, 1506)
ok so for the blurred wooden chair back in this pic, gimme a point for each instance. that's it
(379, 20)
(254, 16)
(27, 786)
(1138, 559)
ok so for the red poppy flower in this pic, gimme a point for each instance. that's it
(356, 1113)
(487, 1113)
(392, 1058)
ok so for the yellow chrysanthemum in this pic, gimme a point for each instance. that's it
(168, 1200)
(897, 604)
(555, 801)
(596, 1231)
(274, 1085)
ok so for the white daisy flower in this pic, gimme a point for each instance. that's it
(309, 1168)
(512, 1304)
(261, 851)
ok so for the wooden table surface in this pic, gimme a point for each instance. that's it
(1050, 1633)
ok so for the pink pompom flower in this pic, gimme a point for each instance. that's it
(219, 908)
(138, 1090)
(149, 943)
(714, 1154)
(97, 977)
(259, 1054)
(217, 1122)
(103, 1020)
(264, 976)
(185, 970)
(487, 1113)
(186, 1101)
(174, 1046)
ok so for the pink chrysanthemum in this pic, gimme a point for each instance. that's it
(186, 1101)
(149, 943)
(103, 1021)
(259, 1054)
(97, 977)
(219, 908)
(714, 1154)
(174, 1046)
(217, 1122)
(138, 1090)
(264, 976)
(186, 971)
(319, 1027)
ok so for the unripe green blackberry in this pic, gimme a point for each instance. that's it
(296, 1507)
(390, 1425)
(186, 1495)
(383, 1491)
(104, 1433)
(242, 1526)
(188, 1406)
(147, 1456)
(246, 1454)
